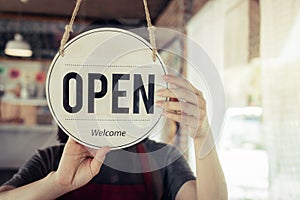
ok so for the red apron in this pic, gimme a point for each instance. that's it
(117, 192)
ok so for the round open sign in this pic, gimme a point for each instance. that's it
(102, 91)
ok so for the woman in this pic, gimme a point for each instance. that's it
(73, 171)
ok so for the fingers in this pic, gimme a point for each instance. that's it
(181, 82)
(190, 100)
(179, 93)
(180, 107)
(97, 161)
(189, 110)
(183, 90)
(183, 95)
(182, 118)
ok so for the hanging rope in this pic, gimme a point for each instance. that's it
(151, 29)
(68, 29)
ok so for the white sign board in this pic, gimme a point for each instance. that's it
(102, 91)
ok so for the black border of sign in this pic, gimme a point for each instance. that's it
(58, 55)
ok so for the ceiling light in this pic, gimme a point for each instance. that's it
(18, 47)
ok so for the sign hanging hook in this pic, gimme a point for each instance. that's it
(69, 28)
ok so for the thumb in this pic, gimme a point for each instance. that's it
(98, 160)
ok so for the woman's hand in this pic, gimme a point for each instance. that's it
(185, 104)
(78, 165)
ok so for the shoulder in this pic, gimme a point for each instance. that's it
(47, 158)
(38, 166)
(167, 153)
(152, 145)
(173, 165)
(50, 152)
(169, 158)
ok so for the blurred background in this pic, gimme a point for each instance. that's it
(253, 43)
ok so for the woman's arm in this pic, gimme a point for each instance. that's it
(211, 183)
(190, 112)
(6, 188)
(46, 188)
(78, 165)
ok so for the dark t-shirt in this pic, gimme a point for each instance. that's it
(171, 169)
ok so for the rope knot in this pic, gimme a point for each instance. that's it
(150, 30)
(64, 39)
(68, 29)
